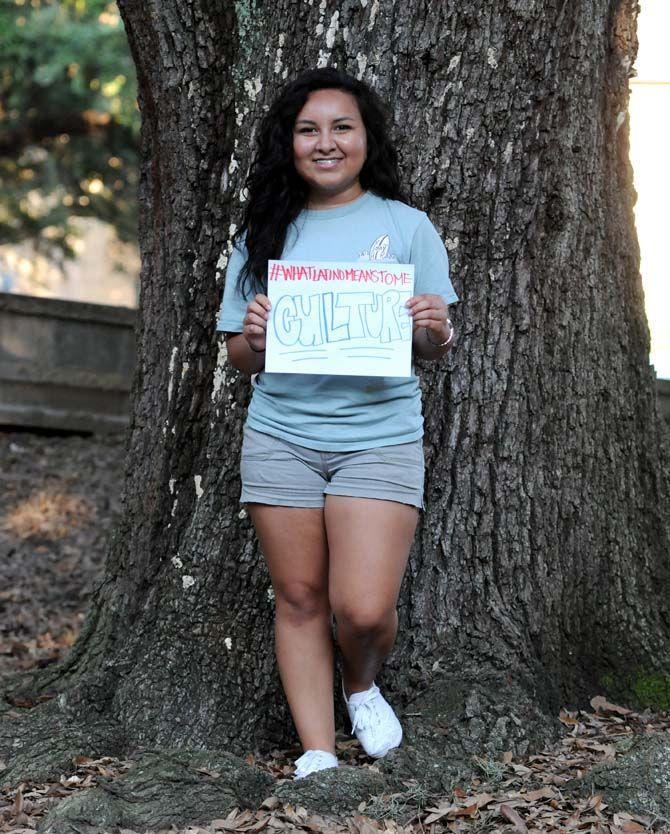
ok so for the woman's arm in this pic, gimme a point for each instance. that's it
(241, 356)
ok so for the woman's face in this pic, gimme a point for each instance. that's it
(329, 147)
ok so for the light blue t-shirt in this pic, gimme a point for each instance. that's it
(333, 412)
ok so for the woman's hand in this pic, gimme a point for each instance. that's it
(430, 311)
(256, 321)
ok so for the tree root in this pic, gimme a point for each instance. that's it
(638, 782)
(187, 787)
(184, 786)
(459, 715)
(39, 744)
(164, 787)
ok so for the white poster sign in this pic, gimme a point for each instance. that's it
(331, 317)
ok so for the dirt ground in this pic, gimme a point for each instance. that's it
(59, 499)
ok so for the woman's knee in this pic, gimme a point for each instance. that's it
(365, 618)
(299, 601)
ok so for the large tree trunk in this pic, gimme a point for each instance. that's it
(539, 575)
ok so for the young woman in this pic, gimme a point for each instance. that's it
(332, 466)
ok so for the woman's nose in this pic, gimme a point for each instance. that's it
(326, 141)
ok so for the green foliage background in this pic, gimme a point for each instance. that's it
(69, 122)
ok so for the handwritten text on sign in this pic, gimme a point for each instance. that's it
(332, 317)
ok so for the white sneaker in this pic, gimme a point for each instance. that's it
(313, 760)
(373, 721)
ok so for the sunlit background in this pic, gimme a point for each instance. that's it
(649, 132)
(69, 128)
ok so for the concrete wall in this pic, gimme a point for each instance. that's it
(69, 364)
(663, 393)
(65, 364)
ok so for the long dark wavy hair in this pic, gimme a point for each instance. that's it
(277, 193)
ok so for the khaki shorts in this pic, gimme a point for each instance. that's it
(275, 471)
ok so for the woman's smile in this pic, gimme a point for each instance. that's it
(327, 163)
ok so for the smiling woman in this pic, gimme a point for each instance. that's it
(330, 147)
(324, 186)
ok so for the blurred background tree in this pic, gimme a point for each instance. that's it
(69, 123)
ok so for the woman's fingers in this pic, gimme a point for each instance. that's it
(258, 312)
(422, 304)
(434, 324)
(258, 309)
(425, 298)
(427, 316)
(255, 318)
(262, 301)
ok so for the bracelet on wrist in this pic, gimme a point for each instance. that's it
(442, 344)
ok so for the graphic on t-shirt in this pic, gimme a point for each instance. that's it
(331, 317)
(379, 251)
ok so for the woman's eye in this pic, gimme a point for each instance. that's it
(311, 129)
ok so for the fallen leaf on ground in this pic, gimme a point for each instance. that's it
(601, 704)
(510, 814)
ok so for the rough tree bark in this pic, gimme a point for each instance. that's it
(539, 575)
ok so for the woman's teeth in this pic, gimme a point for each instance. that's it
(327, 163)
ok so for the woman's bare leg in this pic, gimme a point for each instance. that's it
(293, 541)
(369, 541)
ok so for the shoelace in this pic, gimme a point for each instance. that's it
(365, 712)
(311, 757)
